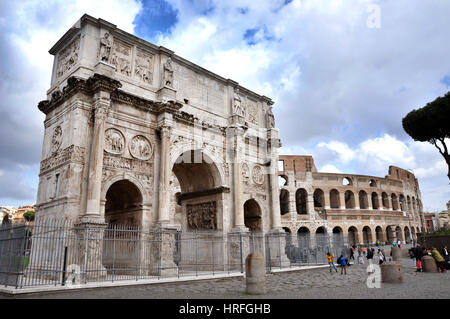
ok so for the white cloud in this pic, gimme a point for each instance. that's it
(330, 169)
(28, 29)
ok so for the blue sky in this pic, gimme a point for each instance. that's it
(341, 86)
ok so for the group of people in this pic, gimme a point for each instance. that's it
(442, 257)
(344, 262)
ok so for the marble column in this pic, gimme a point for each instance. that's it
(101, 106)
(239, 222)
(164, 176)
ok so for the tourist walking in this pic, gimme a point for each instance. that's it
(445, 254)
(343, 263)
(412, 255)
(330, 261)
(352, 254)
(381, 256)
(369, 255)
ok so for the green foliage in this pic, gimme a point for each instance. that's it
(29, 215)
(440, 232)
(430, 122)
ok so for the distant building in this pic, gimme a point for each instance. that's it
(7, 210)
(431, 221)
(18, 216)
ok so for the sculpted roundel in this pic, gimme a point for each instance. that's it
(56, 139)
(258, 175)
(141, 148)
(114, 141)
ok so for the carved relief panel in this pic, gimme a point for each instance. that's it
(202, 216)
(252, 112)
(141, 148)
(68, 57)
(114, 141)
(144, 67)
(56, 140)
(245, 173)
(258, 175)
(121, 57)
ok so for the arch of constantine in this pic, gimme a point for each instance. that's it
(137, 135)
(356, 208)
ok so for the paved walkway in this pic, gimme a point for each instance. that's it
(316, 283)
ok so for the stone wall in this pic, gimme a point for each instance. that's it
(429, 241)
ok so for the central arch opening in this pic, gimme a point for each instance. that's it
(252, 216)
(123, 214)
(199, 191)
(123, 204)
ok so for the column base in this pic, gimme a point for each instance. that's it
(240, 229)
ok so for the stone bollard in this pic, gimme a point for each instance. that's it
(391, 272)
(429, 264)
(255, 274)
(396, 253)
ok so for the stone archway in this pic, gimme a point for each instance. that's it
(379, 234)
(252, 216)
(338, 236)
(123, 214)
(353, 235)
(367, 235)
(321, 237)
(123, 204)
(200, 191)
(303, 237)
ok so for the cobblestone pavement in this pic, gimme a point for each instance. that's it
(313, 284)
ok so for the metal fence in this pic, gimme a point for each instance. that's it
(54, 252)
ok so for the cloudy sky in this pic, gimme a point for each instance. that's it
(342, 74)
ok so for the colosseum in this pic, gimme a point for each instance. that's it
(356, 209)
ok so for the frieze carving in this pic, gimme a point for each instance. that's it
(226, 169)
(258, 175)
(134, 165)
(72, 153)
(121, 58)
(245, 172)
(202, 216)
(141, 148)
(56, 139)
(68, 57)
(144, 67)
(114, 141)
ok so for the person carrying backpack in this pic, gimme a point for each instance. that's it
(343, 262)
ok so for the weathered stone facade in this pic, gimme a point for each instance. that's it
(361, 208)
(135, 134)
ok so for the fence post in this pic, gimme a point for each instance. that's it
(85, 254)
(64, 267)
(241, 253)
(138, 244)
(269, 266)
(279, 249)
(196, 256)
(114, 228)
